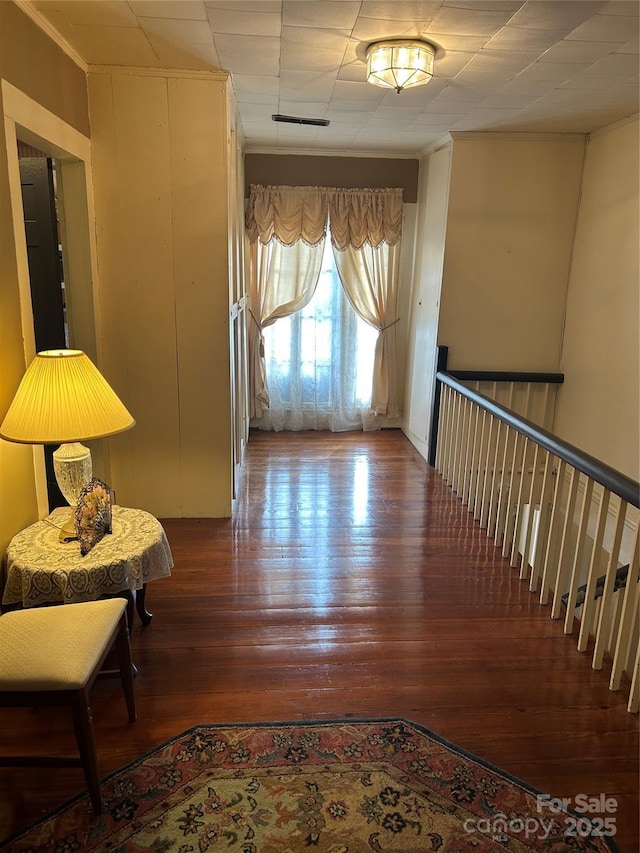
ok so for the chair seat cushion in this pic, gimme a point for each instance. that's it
(55, 648)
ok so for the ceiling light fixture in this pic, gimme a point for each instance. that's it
(400, 64)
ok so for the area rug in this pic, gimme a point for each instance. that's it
(334, 787)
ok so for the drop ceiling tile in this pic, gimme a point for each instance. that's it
(308, 57)
(245, 5)
(244, 23)
(451, 64)
(468, 22)
(256, 84)
(632, 46)
(272, 101)
(560, 72)
(391, 114)
(591, 82)
(524, 38)
(578, 51)
(400, 10)
(332, 14)
(348, 107)
(327, 39)
(258, 112)
(295, 136)
(607, 28)
(568, 97)
(527, 86)
(554, 14)
(352, 52)
(450, 108)
(508, 102)
(465, 96)
(437, 121)
(362, 92)
(96, 13)
(482, 81)
(482, 119)
(501, 62)
(306, 109)
(417, 96)
(621, 7)
(353, 72)
(249, 54)
(185, 9)
(446, 42)
(308, 85)
(193, 56)
(378, 29)
(625, 96)
(487, 5)
(616, 63)
(194, 32)
(347, 118)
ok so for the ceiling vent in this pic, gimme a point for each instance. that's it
(319, 122)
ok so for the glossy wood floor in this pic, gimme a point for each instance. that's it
(351, 583)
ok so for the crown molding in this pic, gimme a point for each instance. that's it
(602, 131)
(517, 136)
(27, 7)
(152, 71)
(333, 152)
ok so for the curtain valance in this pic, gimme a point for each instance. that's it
(358, 217)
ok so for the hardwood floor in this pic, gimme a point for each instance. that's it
(351, 583)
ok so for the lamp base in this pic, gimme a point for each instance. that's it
(73, 469)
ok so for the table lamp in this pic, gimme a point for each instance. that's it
(64, 399)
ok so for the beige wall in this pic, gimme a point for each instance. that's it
(36, 65)
(598, 405)
(161, 187)
(511, 219)
(316, 171)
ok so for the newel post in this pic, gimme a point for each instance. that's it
(441, 365)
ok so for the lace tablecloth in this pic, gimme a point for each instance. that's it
(40, 569)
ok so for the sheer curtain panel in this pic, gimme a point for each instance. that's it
(366, 226)
(286, 227)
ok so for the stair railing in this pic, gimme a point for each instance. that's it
(569, 522)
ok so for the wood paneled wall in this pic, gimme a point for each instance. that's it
(161, 184)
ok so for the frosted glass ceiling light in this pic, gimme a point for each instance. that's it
(400, 64)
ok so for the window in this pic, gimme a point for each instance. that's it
(319, 362)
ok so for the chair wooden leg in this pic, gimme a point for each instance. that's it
(125, 663)
(86, 745)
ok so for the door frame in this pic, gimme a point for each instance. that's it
(29, 121)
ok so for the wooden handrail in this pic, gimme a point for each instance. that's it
(442, 357)
(613, 480)
(506, 376)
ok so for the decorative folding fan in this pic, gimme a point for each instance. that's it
(93, 514)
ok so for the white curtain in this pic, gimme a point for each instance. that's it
(365, 233)
(369, 276)
(287, 233)
(286, 227)
(319, 362)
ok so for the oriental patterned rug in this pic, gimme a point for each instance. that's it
(333, 787)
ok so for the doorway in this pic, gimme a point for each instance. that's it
(70, 153)
(46, 274)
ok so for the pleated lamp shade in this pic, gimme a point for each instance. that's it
(63, 397)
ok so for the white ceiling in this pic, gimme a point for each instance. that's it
(567, 66)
